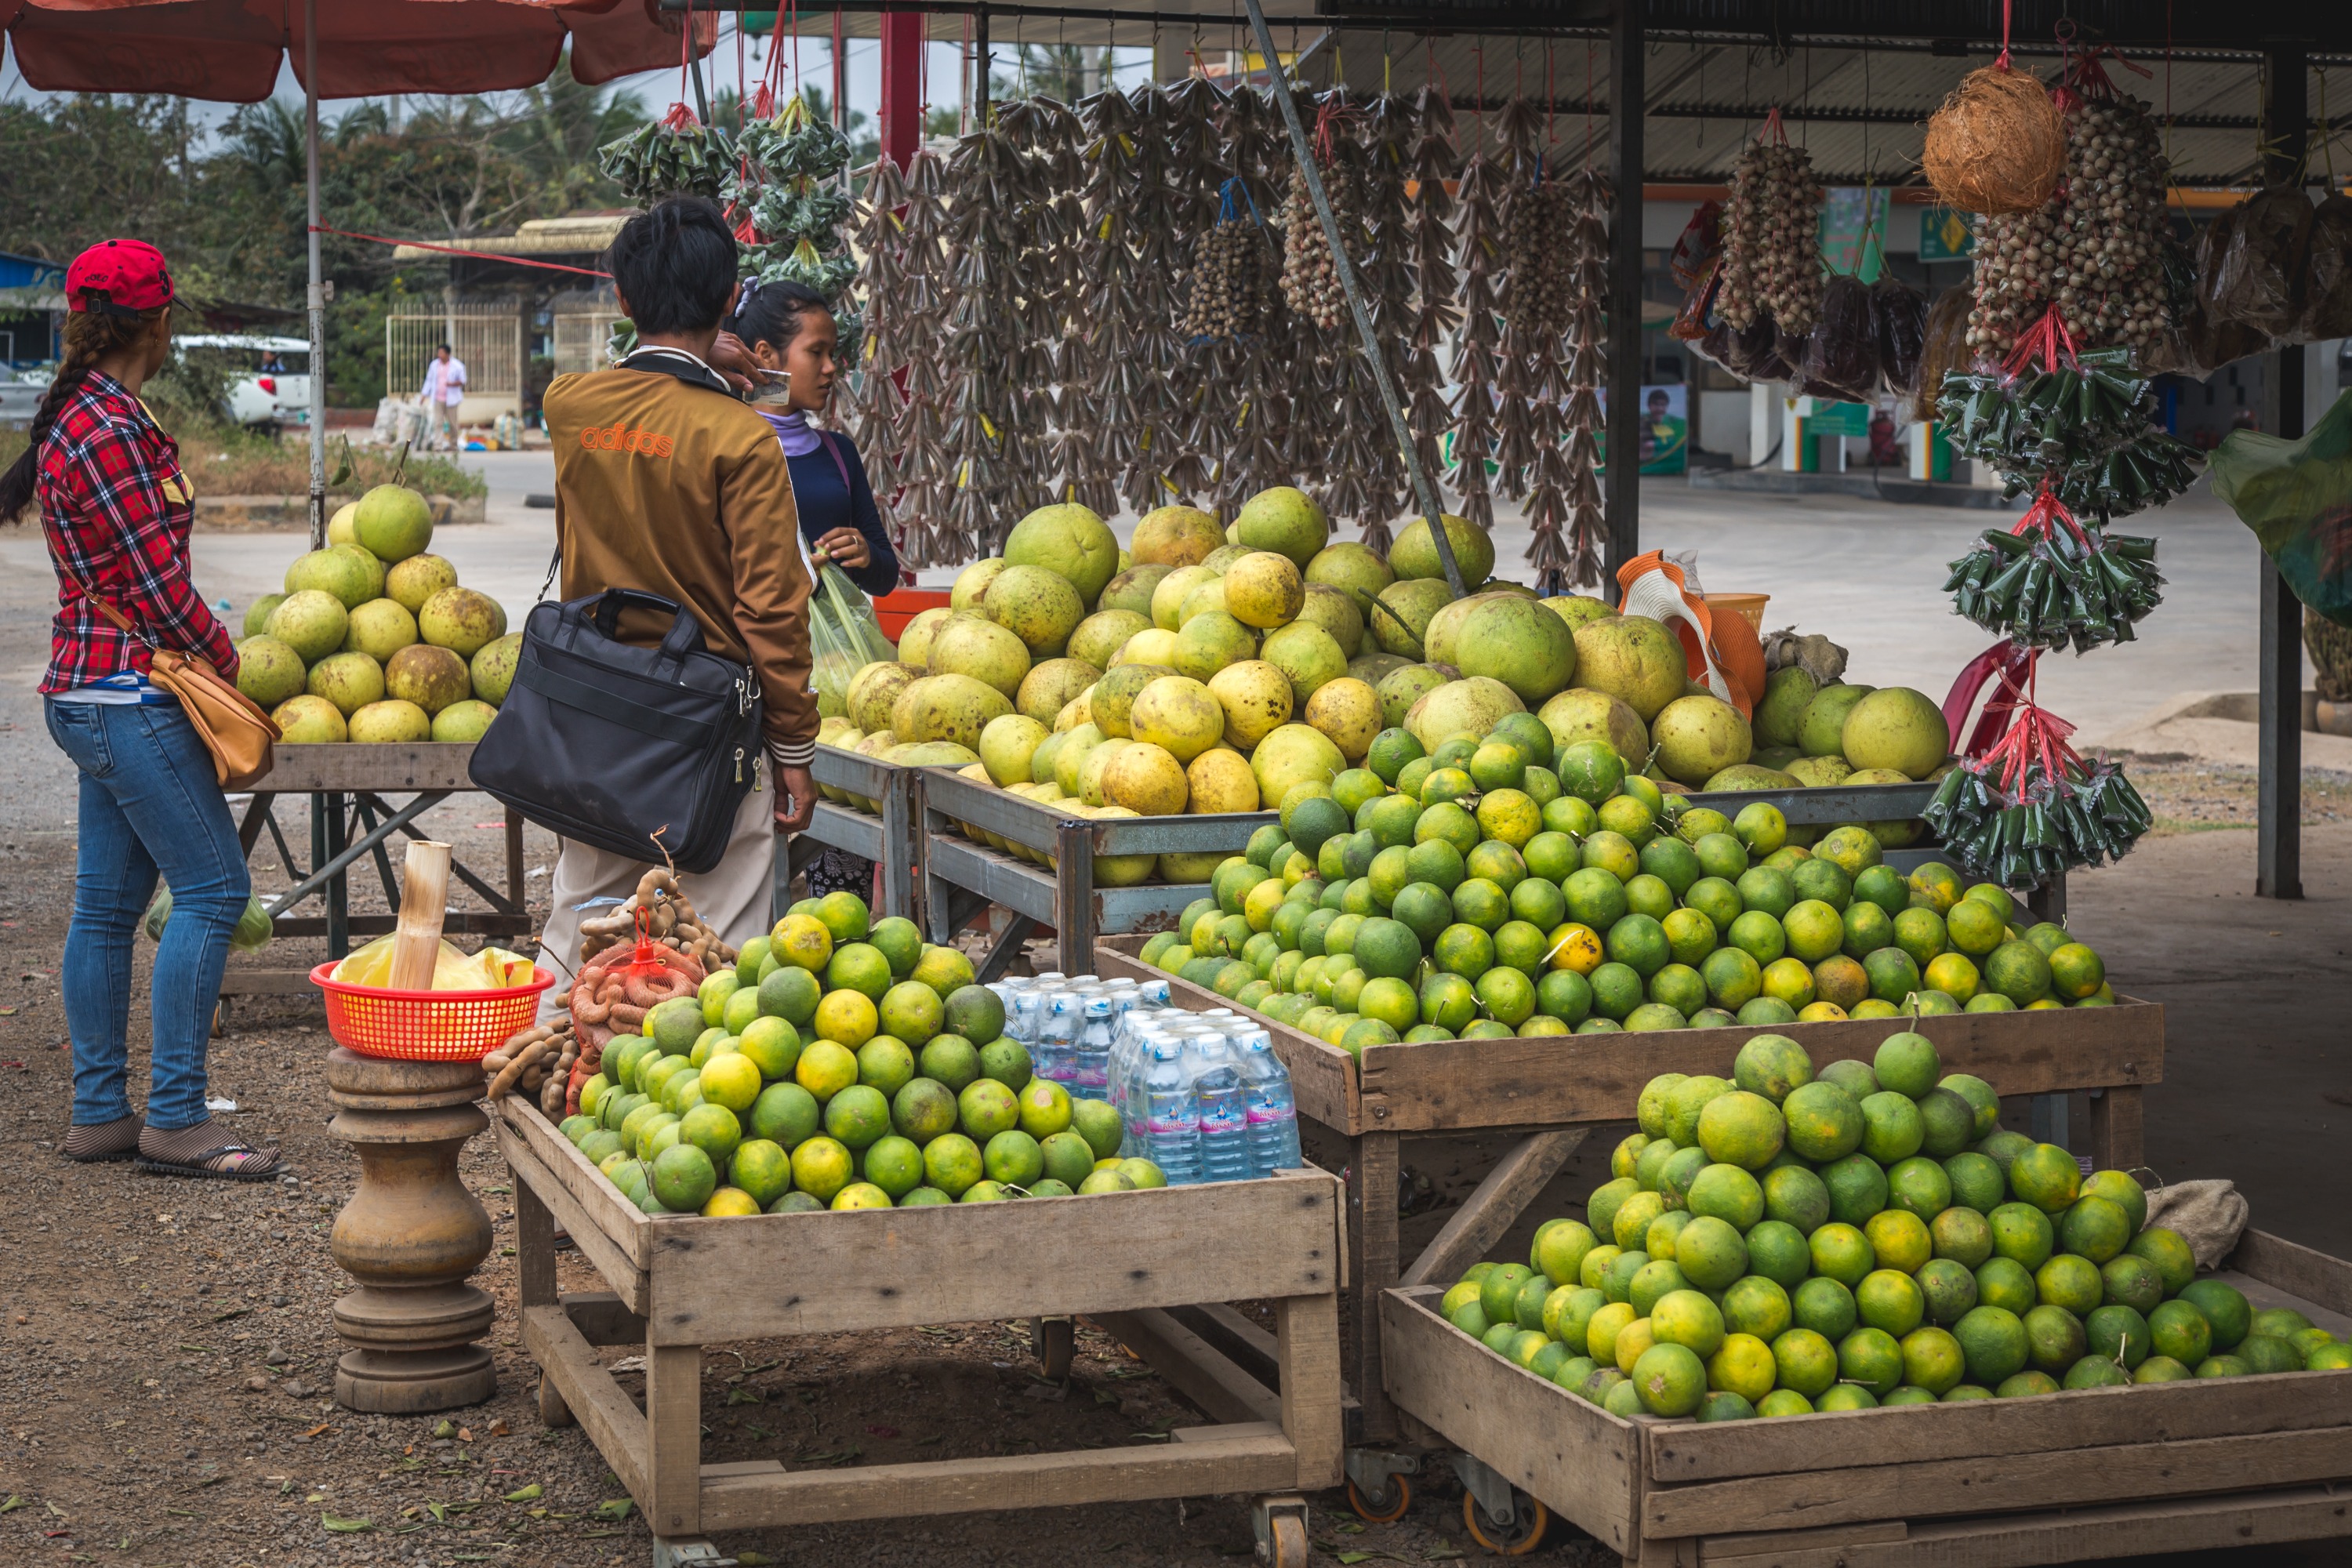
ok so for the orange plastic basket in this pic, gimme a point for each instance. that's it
(426, 1026)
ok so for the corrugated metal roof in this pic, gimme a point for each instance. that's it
(1854, 80)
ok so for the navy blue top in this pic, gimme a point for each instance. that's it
(825, 506)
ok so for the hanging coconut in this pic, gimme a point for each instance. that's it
(1998, 144)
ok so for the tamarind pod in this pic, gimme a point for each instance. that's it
(503, 1084)
(629, 1015)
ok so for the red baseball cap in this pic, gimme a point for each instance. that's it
(129, 275)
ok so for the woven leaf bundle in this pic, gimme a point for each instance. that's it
(1996, 145)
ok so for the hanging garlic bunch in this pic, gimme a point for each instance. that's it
(1536, 252)
(1771, 237)
(1227, 289)
(2015, 263)
(2108, 274)
(1310, 281)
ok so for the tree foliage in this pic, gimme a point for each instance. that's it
(229, 208)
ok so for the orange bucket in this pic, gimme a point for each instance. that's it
(1749, 607)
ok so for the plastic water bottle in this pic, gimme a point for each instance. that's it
(1010, 991)
(1152, 992)
(1054, 1054)
(1090, 1057)
(1171, 1126)
(1273, 1110)
(1222, 1105)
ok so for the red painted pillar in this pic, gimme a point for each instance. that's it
(902, 85)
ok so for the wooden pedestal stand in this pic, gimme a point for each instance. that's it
(412, 1233)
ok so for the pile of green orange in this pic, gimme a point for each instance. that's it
(1781, 1243)
(1477, 891)
(843, 1063)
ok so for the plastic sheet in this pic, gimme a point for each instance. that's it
(1842, 354)
(2327, 292)
(2256, 278)
(1898, 314)
(2296, 497)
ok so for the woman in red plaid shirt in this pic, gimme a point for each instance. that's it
(115, 508)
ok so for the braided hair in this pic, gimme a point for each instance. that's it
(90, 336)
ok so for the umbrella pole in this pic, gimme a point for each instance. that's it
(318, 301)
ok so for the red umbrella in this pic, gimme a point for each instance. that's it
(231, 51)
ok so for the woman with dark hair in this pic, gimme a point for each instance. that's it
(788, 327)
(115, 511)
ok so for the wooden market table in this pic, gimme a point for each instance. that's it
(885, 834)
(963, 876)
(680, 1283)
(2244, 1462)
(352, 819)
(1556, 1090)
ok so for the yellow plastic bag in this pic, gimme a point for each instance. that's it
(492, 968)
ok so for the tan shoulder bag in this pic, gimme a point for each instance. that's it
(233, 726)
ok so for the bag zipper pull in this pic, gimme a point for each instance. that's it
(739, 764)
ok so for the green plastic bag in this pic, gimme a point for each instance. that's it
(253, 931)
(843, 637)
(2297, 496)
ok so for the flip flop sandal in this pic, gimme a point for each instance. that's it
(200, 1166)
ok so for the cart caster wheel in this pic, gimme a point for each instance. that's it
(552, 1410)
(1517, 1537)
(1055, 1341)
(1285, 1543)
(1384, 1507)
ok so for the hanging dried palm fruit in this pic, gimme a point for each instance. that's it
(924, 461)
(1163, 237)
(987, 184)
(1585, 371)
(1436, 314)
(1388, 285)
(1771, 237)
(1479, 225)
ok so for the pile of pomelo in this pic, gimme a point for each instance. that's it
(1217, 668)
(843, 1063)
(373, 639)
(1475, 892)
(1785, 1243)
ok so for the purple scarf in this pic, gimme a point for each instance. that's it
(798, 437)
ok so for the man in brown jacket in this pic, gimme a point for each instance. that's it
(667, 481)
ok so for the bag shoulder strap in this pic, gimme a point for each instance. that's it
(825, 439)
(106, 607)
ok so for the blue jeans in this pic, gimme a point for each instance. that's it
(149, 803)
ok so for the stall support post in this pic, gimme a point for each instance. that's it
(317, 297)
(1622, 482)
(1424, 492)
(2278, 847)
(902, 85)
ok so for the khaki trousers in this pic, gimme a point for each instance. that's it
(732, 898)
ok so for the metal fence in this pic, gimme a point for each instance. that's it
(580, 337)
(486, 334)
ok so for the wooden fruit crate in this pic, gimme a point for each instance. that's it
(2003, 1483)
(1561, 1087)
(1123, 1259)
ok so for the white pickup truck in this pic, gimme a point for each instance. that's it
(269, 378)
